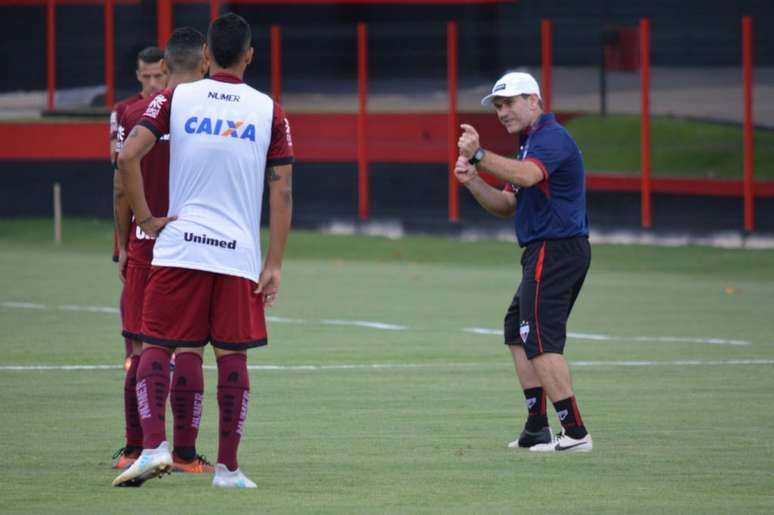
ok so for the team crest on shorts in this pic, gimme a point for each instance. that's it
(524, 330)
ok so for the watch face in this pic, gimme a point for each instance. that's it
(479, 155)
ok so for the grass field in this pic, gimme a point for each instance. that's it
(672, 354)
(680, 148)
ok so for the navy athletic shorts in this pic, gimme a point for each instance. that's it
(552, 276)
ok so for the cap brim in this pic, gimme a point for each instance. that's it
(489, 99)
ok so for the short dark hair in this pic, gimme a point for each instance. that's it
(150, 55)
(184, 49)
(229, 38)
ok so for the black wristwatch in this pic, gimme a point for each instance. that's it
(478, 155)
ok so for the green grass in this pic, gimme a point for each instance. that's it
(426, 438)
(680, 148)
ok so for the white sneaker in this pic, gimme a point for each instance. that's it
(563, 442)
(151, 463)
(224, 478)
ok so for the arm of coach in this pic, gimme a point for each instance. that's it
(523, 174)
(498, 202)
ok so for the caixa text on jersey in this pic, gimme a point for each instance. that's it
(218, 127)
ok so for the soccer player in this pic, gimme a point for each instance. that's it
(183, 62)
(546, 190)
(207, 284)
(152, 79)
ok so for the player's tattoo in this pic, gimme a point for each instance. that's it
(273, 176)
(134, 133)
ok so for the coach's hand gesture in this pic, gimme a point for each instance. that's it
(152, 226)
(469, 141)
(464, 171)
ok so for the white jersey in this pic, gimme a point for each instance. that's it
(223, 134)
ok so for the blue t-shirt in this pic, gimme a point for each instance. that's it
(555, 207)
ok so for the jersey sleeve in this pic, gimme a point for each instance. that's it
(157, 114)
(113, 122)
(510, 188)
(119, 136)
(281, 146)
(548, 152)
(115, 117)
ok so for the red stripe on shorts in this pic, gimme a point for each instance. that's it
(538, 276)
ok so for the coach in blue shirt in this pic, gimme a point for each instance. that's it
(546, 191)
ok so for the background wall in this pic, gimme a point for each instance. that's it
(414, 195)
(405, 41)
(407, 54)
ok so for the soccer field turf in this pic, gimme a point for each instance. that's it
(385, 388)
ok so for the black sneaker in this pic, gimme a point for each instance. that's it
(529, 438)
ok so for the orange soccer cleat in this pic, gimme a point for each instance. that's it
(123, 459)
(198, 465)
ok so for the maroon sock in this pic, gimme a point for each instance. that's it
(152, 391)
(233, 397)
(186, 397)
(131, 417)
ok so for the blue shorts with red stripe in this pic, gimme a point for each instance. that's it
(553, 272)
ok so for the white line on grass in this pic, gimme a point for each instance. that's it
(280, 320)
(366, 323)
(608, 337)
(351, 367)
(361, 366)
(483, 330)
(26, 368)
(64, 307)
(284, 320)
(382, 326)
(397, 366)
(90, 309)
(23, 305)
(678, 363)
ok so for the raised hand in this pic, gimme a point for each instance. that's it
(469, 141)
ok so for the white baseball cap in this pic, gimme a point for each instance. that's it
(512, 84)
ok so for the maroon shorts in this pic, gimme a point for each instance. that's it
(189, 308)
(132, 298)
